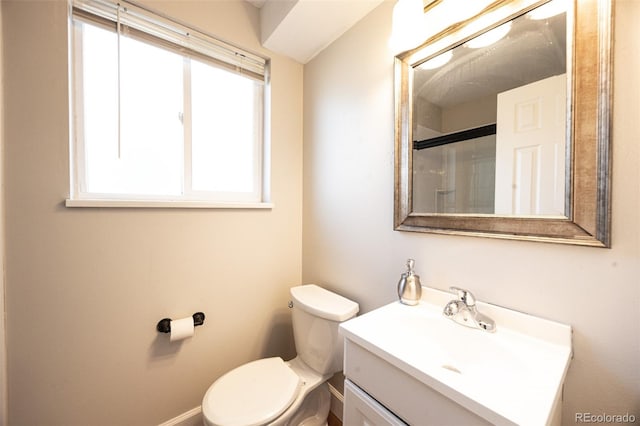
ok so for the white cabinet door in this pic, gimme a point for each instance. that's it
(362, 410)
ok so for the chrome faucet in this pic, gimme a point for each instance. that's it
(463, 311)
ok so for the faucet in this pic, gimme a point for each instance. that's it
(463, 311)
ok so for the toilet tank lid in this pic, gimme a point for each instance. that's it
(324, 303)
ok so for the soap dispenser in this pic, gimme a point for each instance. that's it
(409, 287)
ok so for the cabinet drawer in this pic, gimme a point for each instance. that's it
(361, 410)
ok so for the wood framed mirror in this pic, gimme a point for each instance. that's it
(441, 168)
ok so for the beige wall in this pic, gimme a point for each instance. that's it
(3, 359)
(349, 244)
(86, 287)
(476, 113)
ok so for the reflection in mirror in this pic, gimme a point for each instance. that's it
(489, 121)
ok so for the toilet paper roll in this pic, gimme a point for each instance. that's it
(181, 329)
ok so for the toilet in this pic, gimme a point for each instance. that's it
(275, 392)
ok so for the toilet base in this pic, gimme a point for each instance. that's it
(314, 410)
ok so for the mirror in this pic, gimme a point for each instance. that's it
(509, 137)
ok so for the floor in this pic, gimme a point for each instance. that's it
(333, 420)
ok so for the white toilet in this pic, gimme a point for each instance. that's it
(274, 392)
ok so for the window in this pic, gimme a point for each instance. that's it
(162, 112)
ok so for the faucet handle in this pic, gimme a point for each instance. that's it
(464, 295)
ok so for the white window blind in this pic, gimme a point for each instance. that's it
(137, 21)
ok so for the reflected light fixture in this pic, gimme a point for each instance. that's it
(437, 61)
(547, 10)
(489, 37)
(407, 25)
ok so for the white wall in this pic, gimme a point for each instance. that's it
(86, 287)
(349, 244)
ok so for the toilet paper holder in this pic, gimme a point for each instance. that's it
(164, 325)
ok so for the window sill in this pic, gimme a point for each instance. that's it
(165, 204)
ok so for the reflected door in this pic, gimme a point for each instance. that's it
(530, 149)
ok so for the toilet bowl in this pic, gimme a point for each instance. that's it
(275, 392)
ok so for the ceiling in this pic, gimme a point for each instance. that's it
(300, 29)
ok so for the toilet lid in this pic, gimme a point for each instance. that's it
(252, 394)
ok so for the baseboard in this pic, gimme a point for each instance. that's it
(192, 417)
(337, 401)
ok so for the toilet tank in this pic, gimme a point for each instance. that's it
(316, 315)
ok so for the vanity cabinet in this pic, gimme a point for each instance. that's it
(413, 365)
(378, 393)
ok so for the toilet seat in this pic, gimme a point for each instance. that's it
(251, 395)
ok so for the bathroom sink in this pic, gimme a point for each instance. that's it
(511, 376)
